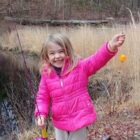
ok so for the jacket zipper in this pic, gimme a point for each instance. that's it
(61, 83)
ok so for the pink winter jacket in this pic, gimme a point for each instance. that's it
(71, 105)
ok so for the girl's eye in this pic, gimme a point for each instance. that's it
(61, 51)
(51, 53)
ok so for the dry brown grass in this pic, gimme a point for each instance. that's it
(28, 134)
(86, 40)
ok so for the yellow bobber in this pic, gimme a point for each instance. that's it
(122, 58)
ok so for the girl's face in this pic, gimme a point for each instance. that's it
(56, 55)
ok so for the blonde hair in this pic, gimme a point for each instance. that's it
(63, 41)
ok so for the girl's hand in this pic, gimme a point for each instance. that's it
(41, 121)
(116, 41)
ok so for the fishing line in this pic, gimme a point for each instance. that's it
(27, 72)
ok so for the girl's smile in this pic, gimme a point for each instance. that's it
(56, 55)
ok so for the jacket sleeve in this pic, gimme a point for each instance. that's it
(94, 62)
(42, 101)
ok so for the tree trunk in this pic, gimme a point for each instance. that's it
(138, 3)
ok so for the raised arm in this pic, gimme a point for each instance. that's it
(96, 61)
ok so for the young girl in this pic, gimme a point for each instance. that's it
(63, 85)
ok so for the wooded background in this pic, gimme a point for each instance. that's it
(68, 9)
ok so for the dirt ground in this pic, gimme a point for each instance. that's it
(123, 126)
